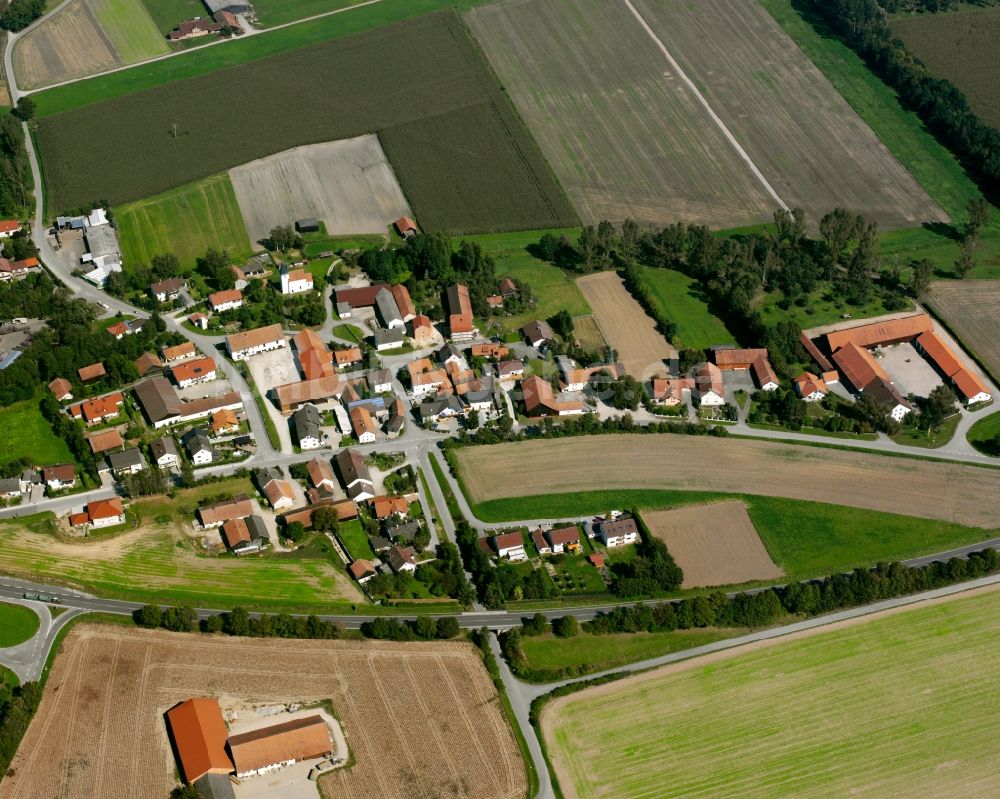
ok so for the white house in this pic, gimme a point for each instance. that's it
(709, 386)
(296, 281)
(165, 453)
(228, 300)
(380, 381)
(510, 546)
(128, 462)
(191, 373)
(388, 339)
(199, 448)
(308, 427)
(253, 342)
(618, 533)
(59, 477)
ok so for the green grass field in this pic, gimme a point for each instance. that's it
(806, 539)
(904, 134)
(167, 13)
(681, 300)
(929, 439)
(893, 706)
(587, 653)
(186, 221)
(553, 288)
(24, 433)
(131, 28)
(355, 540)
(204, 60)
(348, 332)
(278, 12)
(17, 624)
(986, 430)
(158, 562)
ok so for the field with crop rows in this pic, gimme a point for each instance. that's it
(186, 221)
(971, 308)
(85, 37)
(453, 741)
(348, 185)
(610, 94)
(885, 706)
(627, 327)
(463, 159)
(961, 47)
(950, 492)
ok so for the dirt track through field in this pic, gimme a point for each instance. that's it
(100, 723)
(971, 308)
(641, 348)
(715, 544)
(950, 492)
(349, 185)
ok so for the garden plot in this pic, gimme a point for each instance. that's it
(349, 185)
(714, 544)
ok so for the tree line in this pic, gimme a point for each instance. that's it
(758, 609)
(19, 14)
(864, 26)
(17, 707)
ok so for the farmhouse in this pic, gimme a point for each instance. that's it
(888, 397)
(363, 425)
(510, 546)
(355, 475)
(363, 297)
(179, 352)
(8, 227)
(315, 359)
(199, 735)
(292, 395)
(199, 320)
(670, 392)
(752, 359)
(893, 331)
(100, 409)
(388, 311)
(89, 374)
(617, 533)
(253, 342)
(388, 339)
(347, 356)
(969, 387)
(162, 406)
(402, 559)
(199, 447)
(103, 442)
(496, 352)
(147, 362)
(227, 300)
(362, 571)
(403, 301)
(810, 387)
(295, 281)
(421, 330)
(380, 381)
(193, 28)
(859, 366)
(167, 290)
(460, 321)
(100, 513)
(540, 400)
(405, 227)
(224, 421)
(563, 539)
(61, 389)
(541, 545)
(243, 536)
(434, 411)
(708, 385)
(510, 370)
(537, 334)
(16, 270)
(239, 507)
(321, 474)
(164, 452)
(128, 462)
(190, 373)
(384, 506)
(279, 493)
(575, 378)
(308, 427)
(59, 477)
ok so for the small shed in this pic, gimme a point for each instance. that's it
(307, 225)
(406, 227)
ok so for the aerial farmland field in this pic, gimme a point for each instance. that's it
(462, 157)
(348, 185)
(454, 741)
(883, 706)
(642, 349)
(622, 124)
(950, 492)
(85, 37)
(186, 221)
(959, 46)
(971, 308)
(682, 300)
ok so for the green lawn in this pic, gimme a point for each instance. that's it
(203, 60)
(986, 430)
(682, 300)
(131, 28)
(17, 624)
(555, 291)
(159, 562)
(186, 221)
(911, 437)
(806, 539)
(355, 540)
(167, 13)
(585, 653)
(904, 134)
(822, 307)
(24, 433)
(348, 332)
(894, 706)
(8, 677)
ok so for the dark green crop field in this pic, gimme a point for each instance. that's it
(462, 156)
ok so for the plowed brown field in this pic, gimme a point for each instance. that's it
(714, 544)
(951, 492)
(421, 719)
(971, 308)
(628, 329)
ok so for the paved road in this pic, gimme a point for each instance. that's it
(27, 659)
(522, 694)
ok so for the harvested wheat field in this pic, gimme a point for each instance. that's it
(889, 705)
(715, 544)
(349, 185)
(641, 347)
(971, 308)
(452, 740)
(951, 492)
(588, 333)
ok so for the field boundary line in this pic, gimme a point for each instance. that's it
(743, 154)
